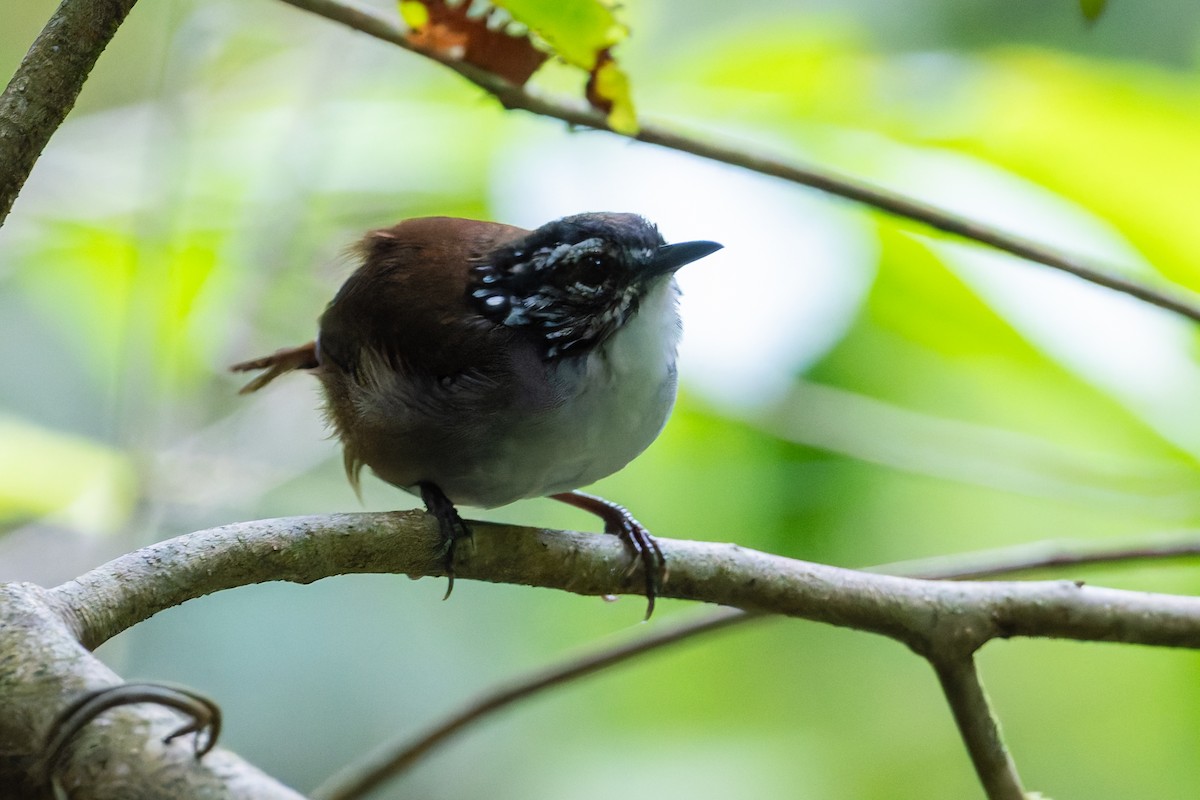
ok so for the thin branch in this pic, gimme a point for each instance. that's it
(1046, 555)
(978, 727)
(394, 757)
(45, 85)
(374, 23)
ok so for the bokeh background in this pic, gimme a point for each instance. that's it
(856, 389)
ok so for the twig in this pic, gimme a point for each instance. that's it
(373, 23)
(394, 757)
(45, 85)
(978, 727)
(1045, 555)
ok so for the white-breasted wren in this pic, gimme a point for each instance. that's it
(474, 363)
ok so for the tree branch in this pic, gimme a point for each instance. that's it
(45, 85)
(919, 613)
(932, 618)
(43, 668)
(978, 727)
(373, 23)
(395, 757)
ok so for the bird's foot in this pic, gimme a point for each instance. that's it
(454, 528)
(620, 523)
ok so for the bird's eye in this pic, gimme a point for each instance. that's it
(592, 270)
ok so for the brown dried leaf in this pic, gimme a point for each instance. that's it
(449, 31)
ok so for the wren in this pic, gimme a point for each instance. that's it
(474, 363)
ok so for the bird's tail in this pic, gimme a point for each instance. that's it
(279, 362)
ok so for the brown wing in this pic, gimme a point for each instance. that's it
(408, 299)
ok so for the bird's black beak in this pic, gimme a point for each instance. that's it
(671, 257)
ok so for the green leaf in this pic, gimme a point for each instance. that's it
(414, 14)
(583, 33)
(577, 30)
(609, 91)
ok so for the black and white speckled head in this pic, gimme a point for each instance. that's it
(575, 281)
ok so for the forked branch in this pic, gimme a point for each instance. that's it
(398, 756)
(932, 618)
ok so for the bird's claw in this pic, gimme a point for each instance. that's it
(620, 523)
(453, 527)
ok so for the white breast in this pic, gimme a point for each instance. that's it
(615, 401)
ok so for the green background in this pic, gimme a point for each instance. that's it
(855, 390)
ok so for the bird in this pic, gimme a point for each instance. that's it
(475, 363)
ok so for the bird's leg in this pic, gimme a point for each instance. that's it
(452, 525)
(619, 522)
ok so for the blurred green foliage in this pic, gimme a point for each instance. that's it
(196, 208)
(1092, 9)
